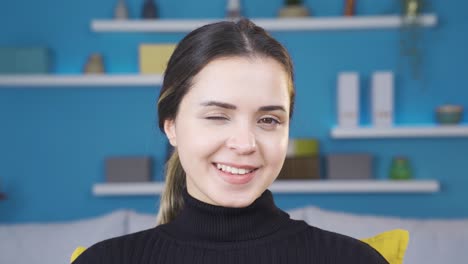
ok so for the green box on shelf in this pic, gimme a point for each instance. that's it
(27, 60)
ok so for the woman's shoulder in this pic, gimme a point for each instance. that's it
(345, 247)
(118, 249)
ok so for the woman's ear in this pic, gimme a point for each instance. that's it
(169, 129)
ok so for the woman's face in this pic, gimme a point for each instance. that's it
(231, 130)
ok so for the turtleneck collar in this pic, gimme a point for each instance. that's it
(205, 222)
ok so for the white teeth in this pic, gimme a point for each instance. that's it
(232, 169)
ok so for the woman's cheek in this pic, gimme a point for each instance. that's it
(208, 138)
(273, 144)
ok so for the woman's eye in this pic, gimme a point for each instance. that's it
(270, 121)
(216, 118)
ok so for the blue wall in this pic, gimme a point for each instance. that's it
(53, 142)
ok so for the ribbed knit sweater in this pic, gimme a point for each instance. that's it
(204, 234)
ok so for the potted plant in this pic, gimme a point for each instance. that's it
(293, 8)
(411, 35)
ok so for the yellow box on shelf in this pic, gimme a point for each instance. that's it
(300, 147)
(154, 57)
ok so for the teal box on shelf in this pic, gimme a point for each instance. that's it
(27, 60)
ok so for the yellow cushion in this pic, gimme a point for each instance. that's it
(76, 253)
(390, 244)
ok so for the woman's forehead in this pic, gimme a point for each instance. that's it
(238, 77)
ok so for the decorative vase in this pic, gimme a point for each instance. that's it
(233, 9)
(94, 64)
(149, 10)
(349, 7)
(400, 169)
(121, 10)
(294, 11)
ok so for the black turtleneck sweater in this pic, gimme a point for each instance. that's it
(205, 234)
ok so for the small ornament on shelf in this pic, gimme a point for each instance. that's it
(400, 169)
(349, 7)
(121, 10)
(233, 10)
(449, 114)
(149, 10)
(294, 8)
(94, 64)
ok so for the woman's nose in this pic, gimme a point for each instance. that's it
(242, 141)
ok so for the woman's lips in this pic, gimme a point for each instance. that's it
(236, 178)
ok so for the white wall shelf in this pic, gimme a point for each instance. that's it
(128, 189)
(289, 186)
(111, 80)
(401, 132)
(277, 24)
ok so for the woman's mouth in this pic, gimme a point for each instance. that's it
(235, 175)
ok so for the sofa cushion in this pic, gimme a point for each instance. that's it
(390, 244)
(52, 243)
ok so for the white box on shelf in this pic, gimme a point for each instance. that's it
(348, 99)
(382, 99)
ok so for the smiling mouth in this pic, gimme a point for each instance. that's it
(234, 170)
(235, 175)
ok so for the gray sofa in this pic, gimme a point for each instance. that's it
(431, 241)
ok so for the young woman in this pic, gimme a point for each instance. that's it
(225, 106)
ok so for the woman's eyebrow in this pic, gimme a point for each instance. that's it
(268, 108)
(265, 108)
(219, 104)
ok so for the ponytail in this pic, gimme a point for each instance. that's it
(171, 199)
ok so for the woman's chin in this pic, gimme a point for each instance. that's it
(236, 204)
(237, 200)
